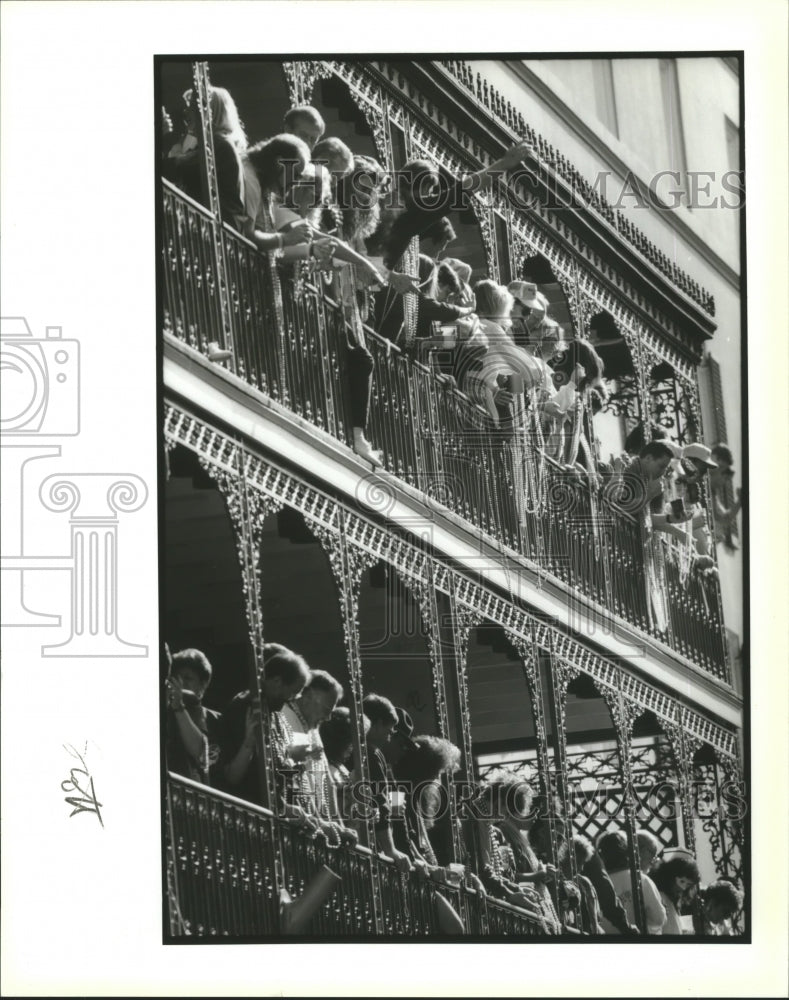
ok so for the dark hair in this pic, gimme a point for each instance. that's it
(541, 828)
(304, 111)
(429, 759)
(323, 681)
(330, 149)
(636, 439)
(194, 659)
(363, 166)
(655, 449)
(411, 174)
(379, 709)
(447, 276)
(722, 452)
(668, 869)
(281, 662)
(583, 848)
(266, 158)
(579, 352)
(724, 893)
(612, 848)
(337, 735)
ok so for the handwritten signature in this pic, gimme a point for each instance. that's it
(79, 781)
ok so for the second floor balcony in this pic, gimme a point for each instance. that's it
(284, 340)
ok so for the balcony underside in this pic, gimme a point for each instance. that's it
(296, 444)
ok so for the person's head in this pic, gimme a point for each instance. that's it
(655, 459)
(334, 155)
(493, 300)
(546, 338)
(426, 759)
(285, 674)
(676, 875)
(305, 123)
(401, 740)
(577, 352)
(722, 456)
(279, 162)
(419, 184)
(540, 835)
(636, 439)
(359, 197)
(509, 797)
(421, 767)
(319, 697)
(225, 119)
(461, 269)
(699, 458)
(721, 901)
(648, 849)
(583, 848)
(310, 192)
(612, 848)
(447, 283)
(193, 670)
(337, 735)
(529, 304)
(383, 719)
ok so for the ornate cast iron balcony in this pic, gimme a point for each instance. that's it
(221, 859)
(289, 348)
(489, 98)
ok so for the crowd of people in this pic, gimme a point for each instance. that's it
(312, 202)
(502, 841)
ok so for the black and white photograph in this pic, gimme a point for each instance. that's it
(393, 425)
(455, 497)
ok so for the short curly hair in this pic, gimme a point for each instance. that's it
(725, 895)
(507, 792)
(431, 757)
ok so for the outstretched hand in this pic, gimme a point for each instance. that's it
(515, 155)
(299, 232)
(402, 283)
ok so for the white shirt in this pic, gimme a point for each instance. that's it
(655, 911)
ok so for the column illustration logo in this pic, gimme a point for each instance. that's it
(39, 401)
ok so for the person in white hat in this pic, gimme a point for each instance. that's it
(685, 517)
(501, 376)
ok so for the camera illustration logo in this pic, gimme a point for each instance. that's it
(40, 400)
(40, 381)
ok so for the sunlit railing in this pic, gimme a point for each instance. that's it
(222, 878)
(288, 343)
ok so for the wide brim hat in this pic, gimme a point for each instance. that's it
(701, 453)
(527, 293)
(404, 728)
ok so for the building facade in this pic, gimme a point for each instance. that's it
(518, 609)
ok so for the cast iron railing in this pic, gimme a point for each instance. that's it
(222, 878)
(288, 342)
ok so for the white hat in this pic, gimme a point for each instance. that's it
(701, 453)
(527, 294)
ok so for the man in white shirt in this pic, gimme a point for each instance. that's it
(301, 719)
